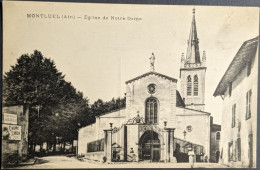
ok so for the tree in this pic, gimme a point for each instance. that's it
(99, 107)
(34, 80)
(55, 105)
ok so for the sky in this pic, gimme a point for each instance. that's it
(97, 56)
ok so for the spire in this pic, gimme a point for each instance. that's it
(193, 54)
(152, 58)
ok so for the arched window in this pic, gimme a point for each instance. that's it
(195, 86)
(217, 135)
(189, 86)
(151, 110)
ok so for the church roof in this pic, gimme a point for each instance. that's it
(193, 54)
(151, 73)
(215, 127)
(112, 111)
(179, 101)
(244, 55)
(196, 112)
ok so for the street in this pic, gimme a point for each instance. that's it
(55, 162)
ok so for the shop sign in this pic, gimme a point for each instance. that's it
(11, 132)
(10, 118)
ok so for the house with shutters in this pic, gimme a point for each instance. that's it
(238, 89)
(159, 122)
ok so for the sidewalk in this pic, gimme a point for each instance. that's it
(31, 161)
(14, 164)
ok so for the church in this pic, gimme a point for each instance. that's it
(159, 123)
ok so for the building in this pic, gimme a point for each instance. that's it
(215, 134)
(159, 123)
(14, 134)
(238, 89)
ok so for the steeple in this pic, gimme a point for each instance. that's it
(193, 80)
(193, 54)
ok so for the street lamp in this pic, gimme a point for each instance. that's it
(165, 123)
(111, 125)
(137, 117)
(77, 147)
(111, 151)
(184, 134)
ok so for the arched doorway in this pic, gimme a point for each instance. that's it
(150, 146)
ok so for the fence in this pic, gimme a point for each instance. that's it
(96, 146)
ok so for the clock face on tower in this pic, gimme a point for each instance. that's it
(151, 88)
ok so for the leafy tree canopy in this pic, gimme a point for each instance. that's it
(57, 109)
(55, 105)
(34, 80)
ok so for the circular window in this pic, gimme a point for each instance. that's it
(189, 128)
(151, 88)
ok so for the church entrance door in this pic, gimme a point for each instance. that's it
(151, 147)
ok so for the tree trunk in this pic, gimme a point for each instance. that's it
(54, 147)
(72, 149)
(34, 146)
(30, 148)
(51, 147)
(64, 143)
(41, 147)
(47, 147)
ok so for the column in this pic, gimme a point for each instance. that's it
(169, 143)
(166, 139)
(172, 158)
(108, 145)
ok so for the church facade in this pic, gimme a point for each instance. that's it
(159, 122)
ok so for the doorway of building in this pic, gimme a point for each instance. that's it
(217, 156)
(150, 146)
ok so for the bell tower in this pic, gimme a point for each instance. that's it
(192, 72)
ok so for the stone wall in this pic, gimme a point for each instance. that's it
(200, 123)
(132, 142)
(200, 99)
(95, 131)
(85, 135)
(214, 146)
(137, 94)
(116, 117)
(96, 156)
(20, 147)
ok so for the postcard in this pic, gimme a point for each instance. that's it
(99, 85)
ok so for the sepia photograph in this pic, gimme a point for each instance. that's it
(99, 85)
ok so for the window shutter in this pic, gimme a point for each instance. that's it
(246, 105)
(239, 149)
(189, 88)
(234, 115)
(230, 89)
(249, 104)
(249, 68)
(196, 86)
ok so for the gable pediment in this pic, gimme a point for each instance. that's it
(149, 74)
